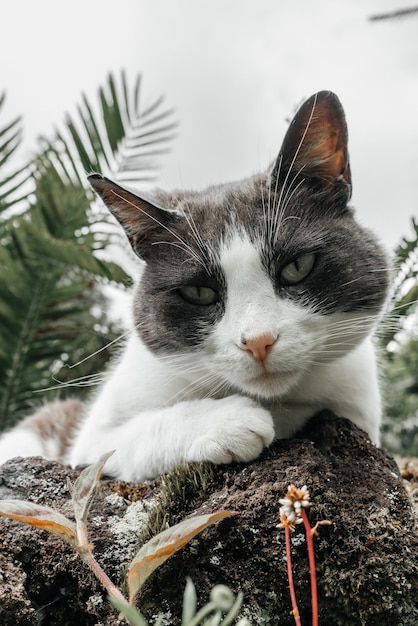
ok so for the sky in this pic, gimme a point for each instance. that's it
(234, 70)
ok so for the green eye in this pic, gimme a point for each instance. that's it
(203, 296)
(299, 269)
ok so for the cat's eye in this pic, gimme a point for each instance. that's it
(195, 294)
(298, 269)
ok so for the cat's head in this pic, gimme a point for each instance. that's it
(264, 279)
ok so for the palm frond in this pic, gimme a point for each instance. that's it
(53, 314)
(47, 321)
(116, 136)
(13, 187)
(51, 281)
(405, 291)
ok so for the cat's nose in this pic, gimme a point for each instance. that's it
(258, 346)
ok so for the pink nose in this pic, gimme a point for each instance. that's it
(258, 346)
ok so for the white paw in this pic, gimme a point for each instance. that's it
(235, 429)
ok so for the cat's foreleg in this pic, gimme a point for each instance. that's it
(233, 428)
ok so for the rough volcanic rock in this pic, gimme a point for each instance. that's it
(366, 559)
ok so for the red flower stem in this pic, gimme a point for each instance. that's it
(312, 569)
(295, 610)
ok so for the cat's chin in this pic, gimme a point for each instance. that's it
(269, 385)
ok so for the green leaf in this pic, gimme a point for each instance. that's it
(14, 182)
(131, 614)
(49, 286)
(189, 602)
(53, 251)
(92, 129)
(42, 517)
(114, 135)
(85, 486)
(165, 544)
(404, 296)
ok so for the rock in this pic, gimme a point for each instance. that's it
(366, 560)
(42, 579)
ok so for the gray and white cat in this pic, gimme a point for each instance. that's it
(255, 309)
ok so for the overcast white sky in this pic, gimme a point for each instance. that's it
(234, 70)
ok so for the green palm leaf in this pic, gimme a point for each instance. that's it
(405, 292)
(49, 285)
(13, 188)
(116, 137)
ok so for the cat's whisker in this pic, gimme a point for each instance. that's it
(105, 347)
(284, 201)
(280, 209)
(285, 188)
(222, 388)
(182, 363)
(188, 370)
(359, 319)
(193, 256)
(345, 331)
(177, 360)
(197, 237)
(213, 386)
(290, 193)
(401, 306)
(180, 239)
(274, 227)
(203, 383)
(266, 224)
(348, 322)
(91, 380)
(352, 281)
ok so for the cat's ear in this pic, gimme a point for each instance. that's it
(315, 145)
(140, 218)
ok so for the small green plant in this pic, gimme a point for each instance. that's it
(223, 606)
(292, 512)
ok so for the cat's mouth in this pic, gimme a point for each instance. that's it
(271, 383)
(267, 376)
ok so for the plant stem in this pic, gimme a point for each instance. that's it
(312, 569)
(204, 611)
(112, 590)
(295, 610)
(234, 610)
(85, 552)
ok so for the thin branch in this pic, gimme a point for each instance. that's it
(394, 14)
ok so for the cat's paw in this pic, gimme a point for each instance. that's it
(237, 429)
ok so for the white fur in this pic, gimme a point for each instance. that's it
(219, 403)
(21, 442)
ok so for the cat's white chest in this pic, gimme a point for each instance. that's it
(140, 381)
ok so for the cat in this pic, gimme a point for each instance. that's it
(256, 308)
